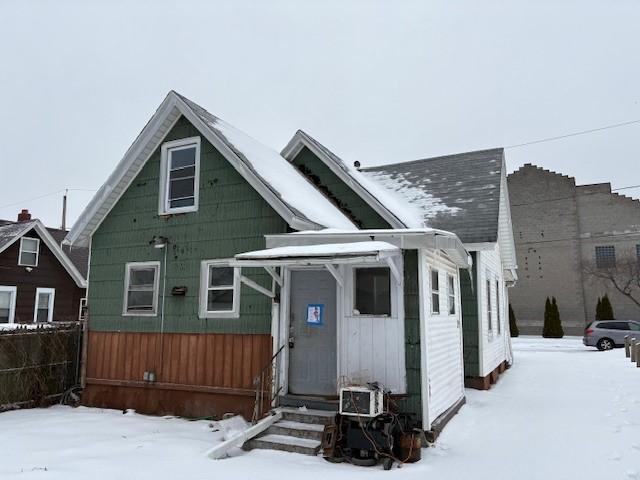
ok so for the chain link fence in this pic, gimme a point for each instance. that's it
(38, 365)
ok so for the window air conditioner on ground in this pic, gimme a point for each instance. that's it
(361, 401)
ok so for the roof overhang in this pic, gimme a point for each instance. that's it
(405, 239)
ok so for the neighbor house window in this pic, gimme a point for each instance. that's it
(179, 179)
(7, 304)
(451, 291)
(373, 291)
(499, 324)
(141, 288)
(606, 256)
(220, 290)
(43, 311)
(82, 312)
(489, 312)
(435, 291)
(29, 252)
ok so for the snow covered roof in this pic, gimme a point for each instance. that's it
(280, 184)
(459, 193)
(328, 250)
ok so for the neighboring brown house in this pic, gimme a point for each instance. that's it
(40, 281)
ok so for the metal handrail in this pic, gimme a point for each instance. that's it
(267, 384)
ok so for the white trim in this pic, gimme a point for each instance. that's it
(156, 284)
(50, 305)
(336, 274)
(256, 286)
(204, 288)
(83, 304)
(163, 191)
(12, 302)
(37, 252)
(424, 283)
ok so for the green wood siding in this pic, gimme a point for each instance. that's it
(232, 218)
(470, 334)
(413, 402)
(340, 193)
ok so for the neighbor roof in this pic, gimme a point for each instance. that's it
(280, 184)
(74, 260)
(458, 193)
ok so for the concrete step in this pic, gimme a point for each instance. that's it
(297, 429)
(317, 417)
(284, 443)
(309, 401)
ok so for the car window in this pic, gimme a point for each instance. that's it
(634, 326)
(614, 325)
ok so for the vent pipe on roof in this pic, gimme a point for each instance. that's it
(24, 215)
(64, 210)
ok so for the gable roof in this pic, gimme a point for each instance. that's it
(11, 232)
(465, 188)
(290, 194)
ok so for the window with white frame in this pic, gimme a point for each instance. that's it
(451, 293)
(180, 173)
(219, 290)
(141, 288)
(43, 310)
(7, 304)
(499, 324)
(435, 291)
(372, 291)
(29, 252)
(82, 312)
(489, 312)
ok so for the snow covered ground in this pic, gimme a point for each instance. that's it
(562, 412)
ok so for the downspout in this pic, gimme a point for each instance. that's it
(164, 288)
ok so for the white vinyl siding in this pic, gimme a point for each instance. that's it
(444, 382)
(141, 289)
(180, 176)
(29, 252)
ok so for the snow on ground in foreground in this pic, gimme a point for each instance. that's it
(562, 412)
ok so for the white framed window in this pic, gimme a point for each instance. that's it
(372, 295)
(451, 293)
(179, 176)
(82, 311)
(435, 291)
(43, 309)
(29, 252)
(7, 304)
(499, 324)
(489, 311)
(141, 282)
(219, 289)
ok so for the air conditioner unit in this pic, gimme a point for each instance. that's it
(361, 401)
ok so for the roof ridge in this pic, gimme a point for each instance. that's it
(439, 157)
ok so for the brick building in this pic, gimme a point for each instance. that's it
(561, 231)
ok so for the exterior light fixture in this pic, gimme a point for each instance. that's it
(159, 242)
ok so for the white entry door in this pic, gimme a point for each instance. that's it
(43, 310)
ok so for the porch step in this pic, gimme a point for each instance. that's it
(290, 428)
(303, 415)
(285, 443)
(312, 402)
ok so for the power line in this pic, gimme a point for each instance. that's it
(582, 132)
(22, 202)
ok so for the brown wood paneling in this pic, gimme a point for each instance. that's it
(199, 360)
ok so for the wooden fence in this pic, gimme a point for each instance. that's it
(38, 365)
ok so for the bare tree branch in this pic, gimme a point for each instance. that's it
(623, 277)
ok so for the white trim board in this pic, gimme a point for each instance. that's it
(12, 305)
(50, 305)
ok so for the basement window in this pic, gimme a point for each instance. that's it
(606, 256)
(180, 176)
(435, 292)
(141, 289)
(29, 252)
(219, 290)
(373, 291)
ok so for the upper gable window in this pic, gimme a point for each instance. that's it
(29, 252)
(179, 179)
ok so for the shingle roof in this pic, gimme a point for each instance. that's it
(10, 231)
(464, 190)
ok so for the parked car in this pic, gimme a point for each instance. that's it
(607, 334)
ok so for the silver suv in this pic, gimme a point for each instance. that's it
(606, 334)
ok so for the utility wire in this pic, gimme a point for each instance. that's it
(22, 202)
(582, 132)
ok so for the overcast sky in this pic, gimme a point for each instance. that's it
(378, 82)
